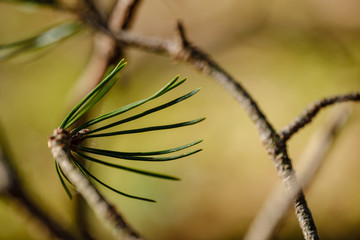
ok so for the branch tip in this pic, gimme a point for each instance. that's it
(312, 110)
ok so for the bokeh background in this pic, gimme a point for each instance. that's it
(286, 53)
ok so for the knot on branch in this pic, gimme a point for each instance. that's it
(183, 50)
(180, 47)
(77, 138)
(60, 137)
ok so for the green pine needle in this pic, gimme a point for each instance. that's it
(97, 97)
(171, 85)
(44, 39)
(138, 157)
(118, 154)
(92, 98)
(78, 135)
(62, 180)
(66, 178)
(147, 173)
(89, 175)
(147, 112)
(147, 129)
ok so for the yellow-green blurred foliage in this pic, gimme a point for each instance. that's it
(286, 53)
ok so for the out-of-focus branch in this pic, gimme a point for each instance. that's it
(122, 14)
(105, 52)
(311, 111)
(275, 207)
(12, 187)
(102, 53)
(59, 143)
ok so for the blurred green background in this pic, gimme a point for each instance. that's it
(286, 53)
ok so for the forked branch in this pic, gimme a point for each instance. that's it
(276, 205)
(181, 49)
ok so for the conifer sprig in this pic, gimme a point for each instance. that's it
(83, 131)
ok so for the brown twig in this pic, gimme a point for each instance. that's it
(275, 144)
(311, 111)
(11, 186)
(275, 207)
(59, 144)
(181, 49)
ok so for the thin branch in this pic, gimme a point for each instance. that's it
(275, 207)
(275, 144)
(311, 111)
(182, 50)
(59, 143)
(12, 187)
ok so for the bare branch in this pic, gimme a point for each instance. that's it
(311, 111)
(181, 49)
(275, 207)
(59, 143)
(12, 187)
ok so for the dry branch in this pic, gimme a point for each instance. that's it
(275, 207)
(116, 35)
(181, 49)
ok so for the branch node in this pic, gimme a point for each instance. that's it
(61, 136)
(180, 44)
